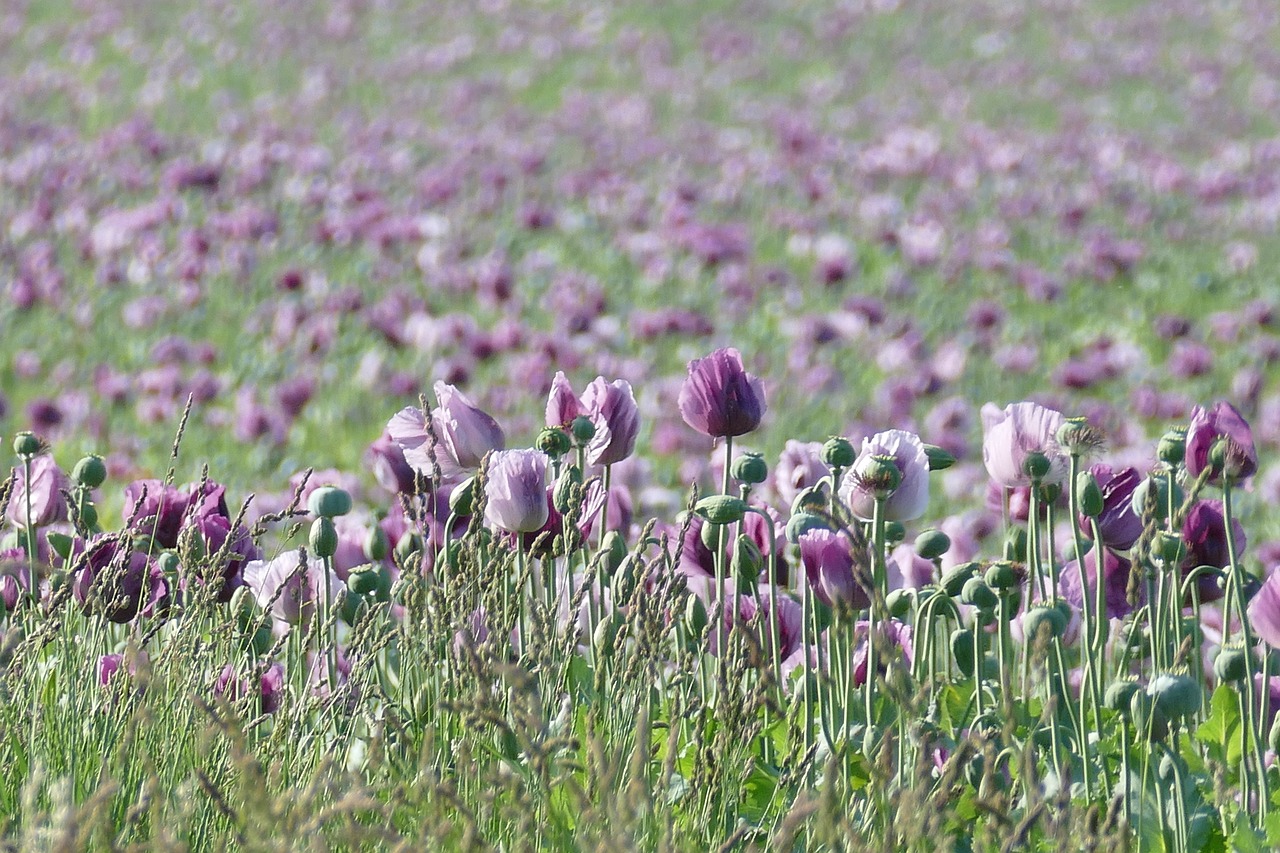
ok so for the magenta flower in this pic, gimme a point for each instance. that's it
(213, 531)
(799, 466)
(1264, 611)
(48, 506)
(118, 582)
(390, 469)
(562, 404)
(1204, 532)
(612, 408)
(288, 588)
(464, 432)
(1219, 422)
(719, 398)
(910, 498)
(895, 641)
(1115, 572)
(1013, 434)
(1119, 525)
(156, 509)
(516, 490)
(828, 561)
(270, 687)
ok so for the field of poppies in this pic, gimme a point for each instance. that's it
(555, 425)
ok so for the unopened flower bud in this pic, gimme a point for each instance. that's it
(88, 515)
(750, 468)
(1273, 736)
(962, 650)
(90, 472)
(462, 498)
(1015, 545)
(410, 543)
(324, 537)
(1088, 495)
(351, 607)
(898, 602)
(553, 442)
(1147, 716)
(977, 593)
(329, 502)
(376, 544)
(1042, 618)
(838, 452)
(606, 634)
(566, 490)
(363, 580)
(583, 429)
(894, 532)
(956, 577)
(1170, 547)
(695, 616)
(721, 509)
(939, 459)
(1160, 509)
(932, 544)
(809, 500)
(747, 562)
(614, 547)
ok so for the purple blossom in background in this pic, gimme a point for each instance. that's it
(48, 506)
(288, 588)
(1208, 426)
(390, 468)
(799, 466)
(612, 408)
(1119, 524)
(1204, 532)
(1012, 434)
(1116, 571)
(910, 499)
(562, 404)
(464, 432)
(1264, 611)
(719, 398)
(118, 582)
(516, 490)
(828, 561)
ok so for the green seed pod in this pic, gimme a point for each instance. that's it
(898, 602)
(1231, 664)
(939, 459)
(1002, 576)
(1172, 449)
(90, 472)
(957, 576)
(615, 550)
(1176, 694)
(932, 544)
(410, 543)
(750, 468)
(89, 515)
(695, 616)
(838, 452)
(329, 502)
(747, 562)
(324, 537)
(977, 593)
(1036, 465)
(801, 523)
(721, 509)
(1042, 618)
(1150, 721)
(553, 442)
(583, 429)
(351, 607)
(1015, 545)
(462, 498)
(27, 444)
(169, 564)
(1170, 548)
(567, 491)
(1088, 495)
(363, 580)
(1119, 694)
(1161, 485)
(894, 532)
(962, 650)
(376, 544)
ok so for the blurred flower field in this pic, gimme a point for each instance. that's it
(504, 344)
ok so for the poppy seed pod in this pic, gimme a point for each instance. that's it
(977, 593)
(932, 544)
(1176, 694)
(27, 444)
(809, 500)
(363, 580)
(1118, 695)
(1231, 664)
(1036, 465)
(90, 472)
(1041, 618)
(1012, 435)
(329, 502)
(956, 577)
(838, 452)
(1172, 449)
(554, 442)
(582, 429)
(1088, 495)
(1077, 436)
(962, 650)
(750, 468)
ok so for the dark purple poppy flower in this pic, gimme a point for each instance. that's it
(1204, 532)
(828, 560)
(1116, 571)
(895, 642)
(392, 472)
(719, 398)
(157, 509)
(1209, 426)
(612, 408)
(118, 582)
(48, 482)
(213, 531)
(270, 687)
(1119, 525)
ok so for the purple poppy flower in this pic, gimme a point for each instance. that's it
(719, 398)
(464, 432)
(1204, 532)
(1116, 571)
(270, 687)
(828, 560)
(118, 582)
(516, 490)
(213, 531)
(697, 560)
(10, 591)
(562, 404)
(48, 506)
(1209, 426)
(157, 509)
(799, 466)
(612, 408)
(1264, 611)
(390, 469)
(289, 588)
(910, 498)
(1119, 525)
(1012, 434)
(110, 665)
(895, 641)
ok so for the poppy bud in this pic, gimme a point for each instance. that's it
(747, 562)
(695, 616)
(977, 593)
(1088, 495)
(376, 544)
(410, 543)
(894, 532)
(324, 537)
(898, 602)
(1273, 736)
(1118, 695)
(962, 650)
(583, 429)
(1015, 545)
(750, 468)
(939, 459)
(363, 580)
(1170, 547)
(956, 577)
(615, 550)
(1147, 716)
(810, 499)
(606, 634)
(932, 544)
(721, 509)
(1231, 664)
(462, 498)
(553, 442)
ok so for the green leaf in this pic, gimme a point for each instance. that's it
(1220, 732)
